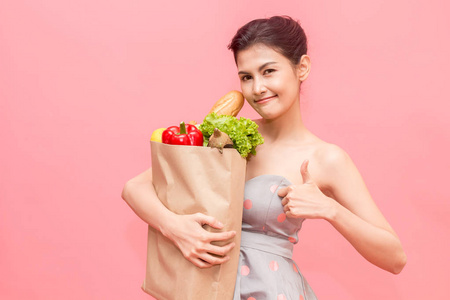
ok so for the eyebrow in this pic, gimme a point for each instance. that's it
(260, 68)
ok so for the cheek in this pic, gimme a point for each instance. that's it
(281, 83)
(287, 86)
(246, 91)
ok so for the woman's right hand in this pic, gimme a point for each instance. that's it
(187, 233)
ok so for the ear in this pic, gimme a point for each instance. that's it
(303, 67)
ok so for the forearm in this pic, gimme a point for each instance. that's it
(140, 195)
(379, 246)
(185, 231)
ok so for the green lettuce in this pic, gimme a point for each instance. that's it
(243, 132)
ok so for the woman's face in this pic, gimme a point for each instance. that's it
(268, 81)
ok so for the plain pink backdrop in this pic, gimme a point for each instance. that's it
(84, 83)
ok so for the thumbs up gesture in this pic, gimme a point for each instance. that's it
(305, 200)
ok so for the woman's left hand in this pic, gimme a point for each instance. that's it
(306, 200)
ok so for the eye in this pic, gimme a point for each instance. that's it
(245, 78)
(269, 71)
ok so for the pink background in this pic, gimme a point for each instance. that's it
(84, 83)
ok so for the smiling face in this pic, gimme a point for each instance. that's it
(269, 82)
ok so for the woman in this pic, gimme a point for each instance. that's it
(294, 176)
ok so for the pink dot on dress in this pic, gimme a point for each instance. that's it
(245, 270)
(273, 188)
(248, 204)
(273, 265)
(281, 217)
(281, 297)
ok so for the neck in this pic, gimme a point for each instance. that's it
(288, 127)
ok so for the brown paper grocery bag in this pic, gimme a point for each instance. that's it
(187, 180)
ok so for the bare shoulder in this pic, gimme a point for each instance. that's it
(340, 179)
(333, 162)
(331, 156)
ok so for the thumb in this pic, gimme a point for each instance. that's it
(203, 219)
(305, 173)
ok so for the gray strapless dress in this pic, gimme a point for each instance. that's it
(266, 269)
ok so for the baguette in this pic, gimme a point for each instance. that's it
(230, 104)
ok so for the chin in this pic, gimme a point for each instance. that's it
(268, 116)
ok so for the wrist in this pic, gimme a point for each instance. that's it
(332, 210)
(168, 220)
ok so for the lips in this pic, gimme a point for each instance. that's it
(264, 100)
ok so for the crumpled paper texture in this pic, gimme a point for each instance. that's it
(187, 180)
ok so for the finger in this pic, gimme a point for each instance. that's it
(217, 250)
(201, 263)
(286, 209)
(213, 260)
(211, 221)
(220, 236)
(282, 192)
(289, 214)
(284, 201)
(305, 173)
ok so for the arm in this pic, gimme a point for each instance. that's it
(349, 208)
(356, 216)
(185, 231)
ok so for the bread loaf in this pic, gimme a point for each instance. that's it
(230, 104)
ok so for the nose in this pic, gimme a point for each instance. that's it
(259, 87)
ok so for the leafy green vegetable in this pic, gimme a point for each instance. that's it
(243, 132)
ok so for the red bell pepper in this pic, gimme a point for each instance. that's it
(186, 134)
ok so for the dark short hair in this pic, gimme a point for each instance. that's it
(282, 33)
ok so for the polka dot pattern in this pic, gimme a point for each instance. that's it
(281, 217)
(245, 270)
(248, 204)
(281, 297)
(264, 216)
(273, 265)
(273, 188)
